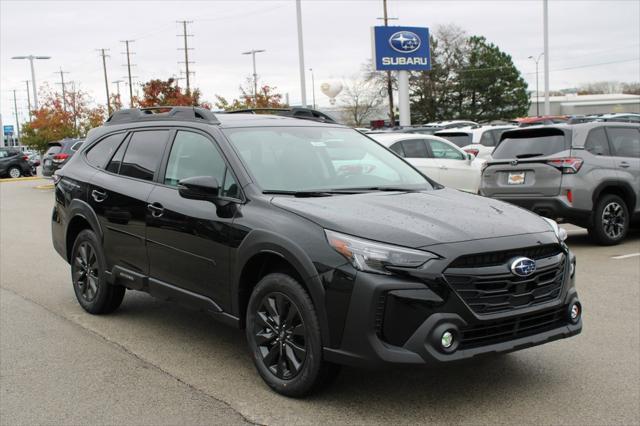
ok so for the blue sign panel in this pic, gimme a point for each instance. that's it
(401, 48)
(8, 129)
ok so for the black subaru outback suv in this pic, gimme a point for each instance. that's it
(324, 246)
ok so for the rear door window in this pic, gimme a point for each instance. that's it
(444, 151)
(415, 148)
(487, 139)
(144, 154)
(625, 142)
(397, 148)
(530, 144)
(597, 143)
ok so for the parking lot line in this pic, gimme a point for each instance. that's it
(625, 256)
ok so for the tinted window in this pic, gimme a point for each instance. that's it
(397, 148)
(114, 164)
(144, 154)
(624, 142)
(76, 146)
(193, 155)
(529, 144)
(487, 139)
(3, 154)
(101, 152)
(597, 142)
(415, 149)
(53, 149)
(442, 150)
(458, 139)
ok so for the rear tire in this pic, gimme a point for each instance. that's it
(88, 274)
(283, 333)
(610, 221)
(14, 172)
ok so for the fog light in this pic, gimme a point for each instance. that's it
(447, 339)
(574, 312)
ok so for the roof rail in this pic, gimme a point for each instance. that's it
(166, 113)
(291, 112)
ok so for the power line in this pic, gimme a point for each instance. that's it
(128, 65)
(186, 49)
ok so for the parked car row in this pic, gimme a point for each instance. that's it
(14, 163)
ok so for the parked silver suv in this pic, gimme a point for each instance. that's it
(586, 174)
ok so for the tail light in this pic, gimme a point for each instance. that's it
(472, 151)
(567, 166)
(59, 158)
(25, 157)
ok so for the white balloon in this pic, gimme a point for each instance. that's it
(331, 88)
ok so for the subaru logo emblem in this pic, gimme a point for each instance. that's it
(404, 42)
(523, 266)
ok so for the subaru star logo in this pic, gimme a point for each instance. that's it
(404, 42)
(523, 266)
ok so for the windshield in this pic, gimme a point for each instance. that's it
(459, 139)
(320, 159)
(529, 146)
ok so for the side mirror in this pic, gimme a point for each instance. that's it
(199, 188)
(470, 157)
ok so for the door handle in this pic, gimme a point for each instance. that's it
(624, 165)
(444, 167)
(156, 209)
(98, 196)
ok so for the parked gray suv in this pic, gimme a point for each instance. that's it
(586, 174)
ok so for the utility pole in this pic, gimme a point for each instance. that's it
(303, 86)
(313, 88)
(106, 80)
(392, 115)
(28, 99)
(253, 52)
(64, 92)
(15, 110)
(117, 83)
(547, 105)
(33, 75)
(186, 49)
(129, 53)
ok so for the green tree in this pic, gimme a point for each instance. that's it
(490, 85)
(470, 78)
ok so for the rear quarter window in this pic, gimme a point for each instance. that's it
(459, 139)
(529, 144)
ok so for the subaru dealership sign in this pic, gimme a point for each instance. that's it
(401, 48)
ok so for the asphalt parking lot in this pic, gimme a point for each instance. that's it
(153, 362)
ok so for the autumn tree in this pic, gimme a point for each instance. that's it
(360, 99)
(167, 92)
(59, 118)
(267, 97)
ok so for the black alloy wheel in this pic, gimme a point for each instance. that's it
(613, 220)
(610, 220)
(85, 271)
(280, 335)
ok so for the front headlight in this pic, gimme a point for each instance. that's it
(560, 232)
(370, 256)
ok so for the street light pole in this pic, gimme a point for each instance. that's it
(547, 104)
(537, 90)
(33, 75)
(303, 85)
(255, 74)
(313, 88)
(28, 99)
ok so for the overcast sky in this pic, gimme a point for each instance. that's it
(589, 40)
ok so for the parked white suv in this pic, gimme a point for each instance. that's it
(437, 158)
(479, 141)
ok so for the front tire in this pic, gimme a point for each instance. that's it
(88, 274)
(611, 220)
(283, 333)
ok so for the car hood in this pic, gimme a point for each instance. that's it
(416, 219)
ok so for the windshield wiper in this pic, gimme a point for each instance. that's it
(384, 188)
(530, 155)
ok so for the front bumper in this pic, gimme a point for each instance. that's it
(400, 320)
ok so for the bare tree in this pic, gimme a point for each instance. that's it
(600, 88)
(359, 100)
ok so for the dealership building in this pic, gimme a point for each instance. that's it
(587, 104)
